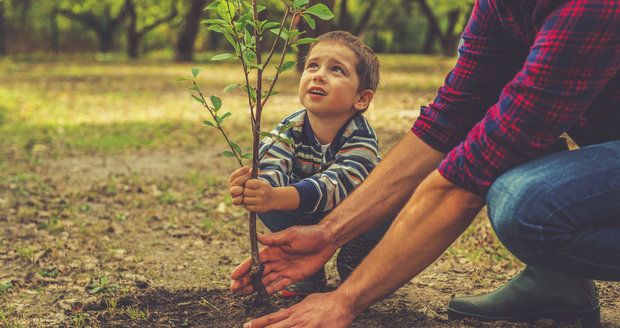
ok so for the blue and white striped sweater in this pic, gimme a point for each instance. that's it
(322, 181)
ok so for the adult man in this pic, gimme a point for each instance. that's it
(528, 71)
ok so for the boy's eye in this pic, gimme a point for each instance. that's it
(312, 65)
(338, 69)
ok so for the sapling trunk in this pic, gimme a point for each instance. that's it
(248, 48)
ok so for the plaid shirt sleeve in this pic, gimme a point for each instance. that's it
(574, 55)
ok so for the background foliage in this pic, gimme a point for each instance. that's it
(80, 26)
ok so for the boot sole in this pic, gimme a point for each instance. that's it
(589, 319)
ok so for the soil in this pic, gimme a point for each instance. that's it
(149, 239)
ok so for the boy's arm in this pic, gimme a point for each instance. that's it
(353, 163)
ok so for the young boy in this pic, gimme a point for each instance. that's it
(333, 151)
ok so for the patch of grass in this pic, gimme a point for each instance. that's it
(8, 318)
(101, 285)
(80, 320)
(169, 197)
(136, 314)
(26, 253)
(5, 286)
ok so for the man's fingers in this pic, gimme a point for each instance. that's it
(268, 319)
(241, 270)
(278, 285)
(275, 239)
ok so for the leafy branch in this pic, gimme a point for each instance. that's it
(241, 26)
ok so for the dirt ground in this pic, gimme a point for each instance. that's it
(148, 240)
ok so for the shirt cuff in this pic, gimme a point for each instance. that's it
(308, 195)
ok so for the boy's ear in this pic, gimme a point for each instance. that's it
(364, 99)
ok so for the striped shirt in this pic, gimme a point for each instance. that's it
(322, 180)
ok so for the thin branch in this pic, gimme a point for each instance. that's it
(219, 126)
(267, 150)
(273, 46)
(246, 73)
(275, 79)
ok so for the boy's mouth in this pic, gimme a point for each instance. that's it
(317, 91)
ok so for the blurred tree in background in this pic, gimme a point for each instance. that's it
(173, 26)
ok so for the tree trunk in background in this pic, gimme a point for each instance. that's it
(54, 39)
(2, 42)
(450, 40)
(135, 37)
(132, 32)
(344, 19)
(321, 28)
(432, 30)
(364, 22)
(189, 31)
(104, 28)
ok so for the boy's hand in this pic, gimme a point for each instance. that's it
(259, 196)
(235, 184)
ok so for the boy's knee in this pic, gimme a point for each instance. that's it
(274, 221)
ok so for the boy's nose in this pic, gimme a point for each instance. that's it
(318, 77)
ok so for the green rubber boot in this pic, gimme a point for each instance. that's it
(534, 294)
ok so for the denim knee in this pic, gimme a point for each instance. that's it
(512, 204)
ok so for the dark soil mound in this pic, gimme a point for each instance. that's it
(222, 309)
(217, 308)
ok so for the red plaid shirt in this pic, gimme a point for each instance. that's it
(527, 72)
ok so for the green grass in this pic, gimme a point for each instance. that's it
(93, 106)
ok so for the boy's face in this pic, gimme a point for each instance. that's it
(328, 85)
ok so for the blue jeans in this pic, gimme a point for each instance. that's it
(280, 220)
(562, 211)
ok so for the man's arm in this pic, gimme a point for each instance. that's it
(385, 190)
(431, 220)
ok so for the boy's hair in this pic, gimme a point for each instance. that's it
(367, 62)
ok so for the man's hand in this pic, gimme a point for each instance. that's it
(259, 196)
(236, 182)
(291, 255)
(316, 311)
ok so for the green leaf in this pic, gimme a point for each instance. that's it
(225, 115)
(272, 93)
(213, 5)
(217, 103)
(228, 154)
(294, 47)
(265, 134)
(305, 41)
(286, 140)
(231, 87)
(309, 20)
(236, 147)
(247, 156)
(94, 290)
(209, 123)
(321, 11)
(195, 71)
(213, 22)
(194, 88)
(249, 56)
(226, 10)
(298, 4)
(285, 127)
(222, 57)
(232, 41)
(286, 66)
(182, 78)
(284, 34)
(198, 99)
(269, 25)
